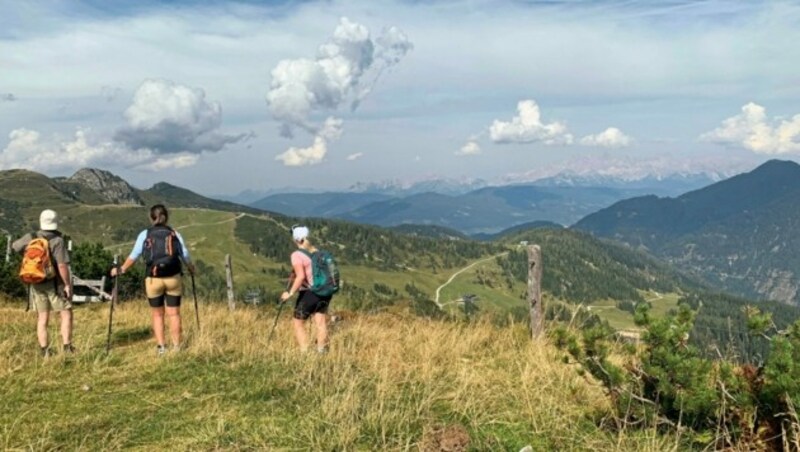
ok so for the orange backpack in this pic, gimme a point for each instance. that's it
(37, 266)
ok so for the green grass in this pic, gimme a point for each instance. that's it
(391, 382)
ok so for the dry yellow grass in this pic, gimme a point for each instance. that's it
(390, 382)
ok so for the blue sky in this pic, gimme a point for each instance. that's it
(201, 94)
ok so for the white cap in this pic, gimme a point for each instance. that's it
(48, 220)
(299, 233)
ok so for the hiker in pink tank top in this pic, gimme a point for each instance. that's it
(308, 303)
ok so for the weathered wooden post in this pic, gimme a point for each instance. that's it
(8, 248)
(535, 290)
(229, 282)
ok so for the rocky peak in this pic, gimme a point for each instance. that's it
(109, 186)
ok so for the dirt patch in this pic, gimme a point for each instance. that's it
(451, 438)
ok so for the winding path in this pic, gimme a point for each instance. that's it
(453, 276)
(190, 225)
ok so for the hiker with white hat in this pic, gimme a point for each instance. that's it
(308, 302)
(45, 268)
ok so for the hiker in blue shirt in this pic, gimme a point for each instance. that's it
(163, 250)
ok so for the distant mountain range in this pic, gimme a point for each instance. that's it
(740, 234)
(487, 210)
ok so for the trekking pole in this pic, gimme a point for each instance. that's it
(114, 295)
(194, 295)
(280, 308)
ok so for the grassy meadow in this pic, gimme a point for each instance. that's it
(391, 381)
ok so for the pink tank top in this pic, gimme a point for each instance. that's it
(299, 257)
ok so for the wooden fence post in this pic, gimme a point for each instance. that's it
(8, 248)
(229, 282)
(535, 290)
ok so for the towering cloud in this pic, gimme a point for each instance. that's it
(168, 118)
(342, 74)
(612, 137)
(527, 127)
(753, 130)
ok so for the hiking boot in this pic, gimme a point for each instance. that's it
(161, 350)
(69, 349)
(45, 352)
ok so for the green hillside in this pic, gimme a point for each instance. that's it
(738, 234)
(425, 268)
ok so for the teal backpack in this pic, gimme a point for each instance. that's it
(325, 273)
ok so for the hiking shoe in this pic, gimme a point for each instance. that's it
(161, 350)
(69, 348)
(45, 352)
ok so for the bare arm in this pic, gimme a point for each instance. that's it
(63, 270)
(299, 279)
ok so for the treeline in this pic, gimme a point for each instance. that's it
(355, 244)
(721, 326)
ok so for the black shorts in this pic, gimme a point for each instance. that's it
(310, 303)
(172, 301)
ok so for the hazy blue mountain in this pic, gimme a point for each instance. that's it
(325, 205)
(740, 233)
(490, 209)
(672, 185)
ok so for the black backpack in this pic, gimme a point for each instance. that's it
(162, 252)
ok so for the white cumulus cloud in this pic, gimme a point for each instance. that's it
(355, 156)
(305, 156)
(527, 127)
(612, 137)
(753, 130)
(167, 118)
(470, 148)
(28, 149)
(331, 131)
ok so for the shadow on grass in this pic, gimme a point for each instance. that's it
(130, 336)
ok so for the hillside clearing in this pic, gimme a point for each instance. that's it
(391, 381)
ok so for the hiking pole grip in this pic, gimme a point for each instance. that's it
(114, 296)
(194, 295)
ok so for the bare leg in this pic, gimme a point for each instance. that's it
(66, 326)
(41, 328)
(321, 322)
(174, 315)
(300, 334)
(158, 324)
